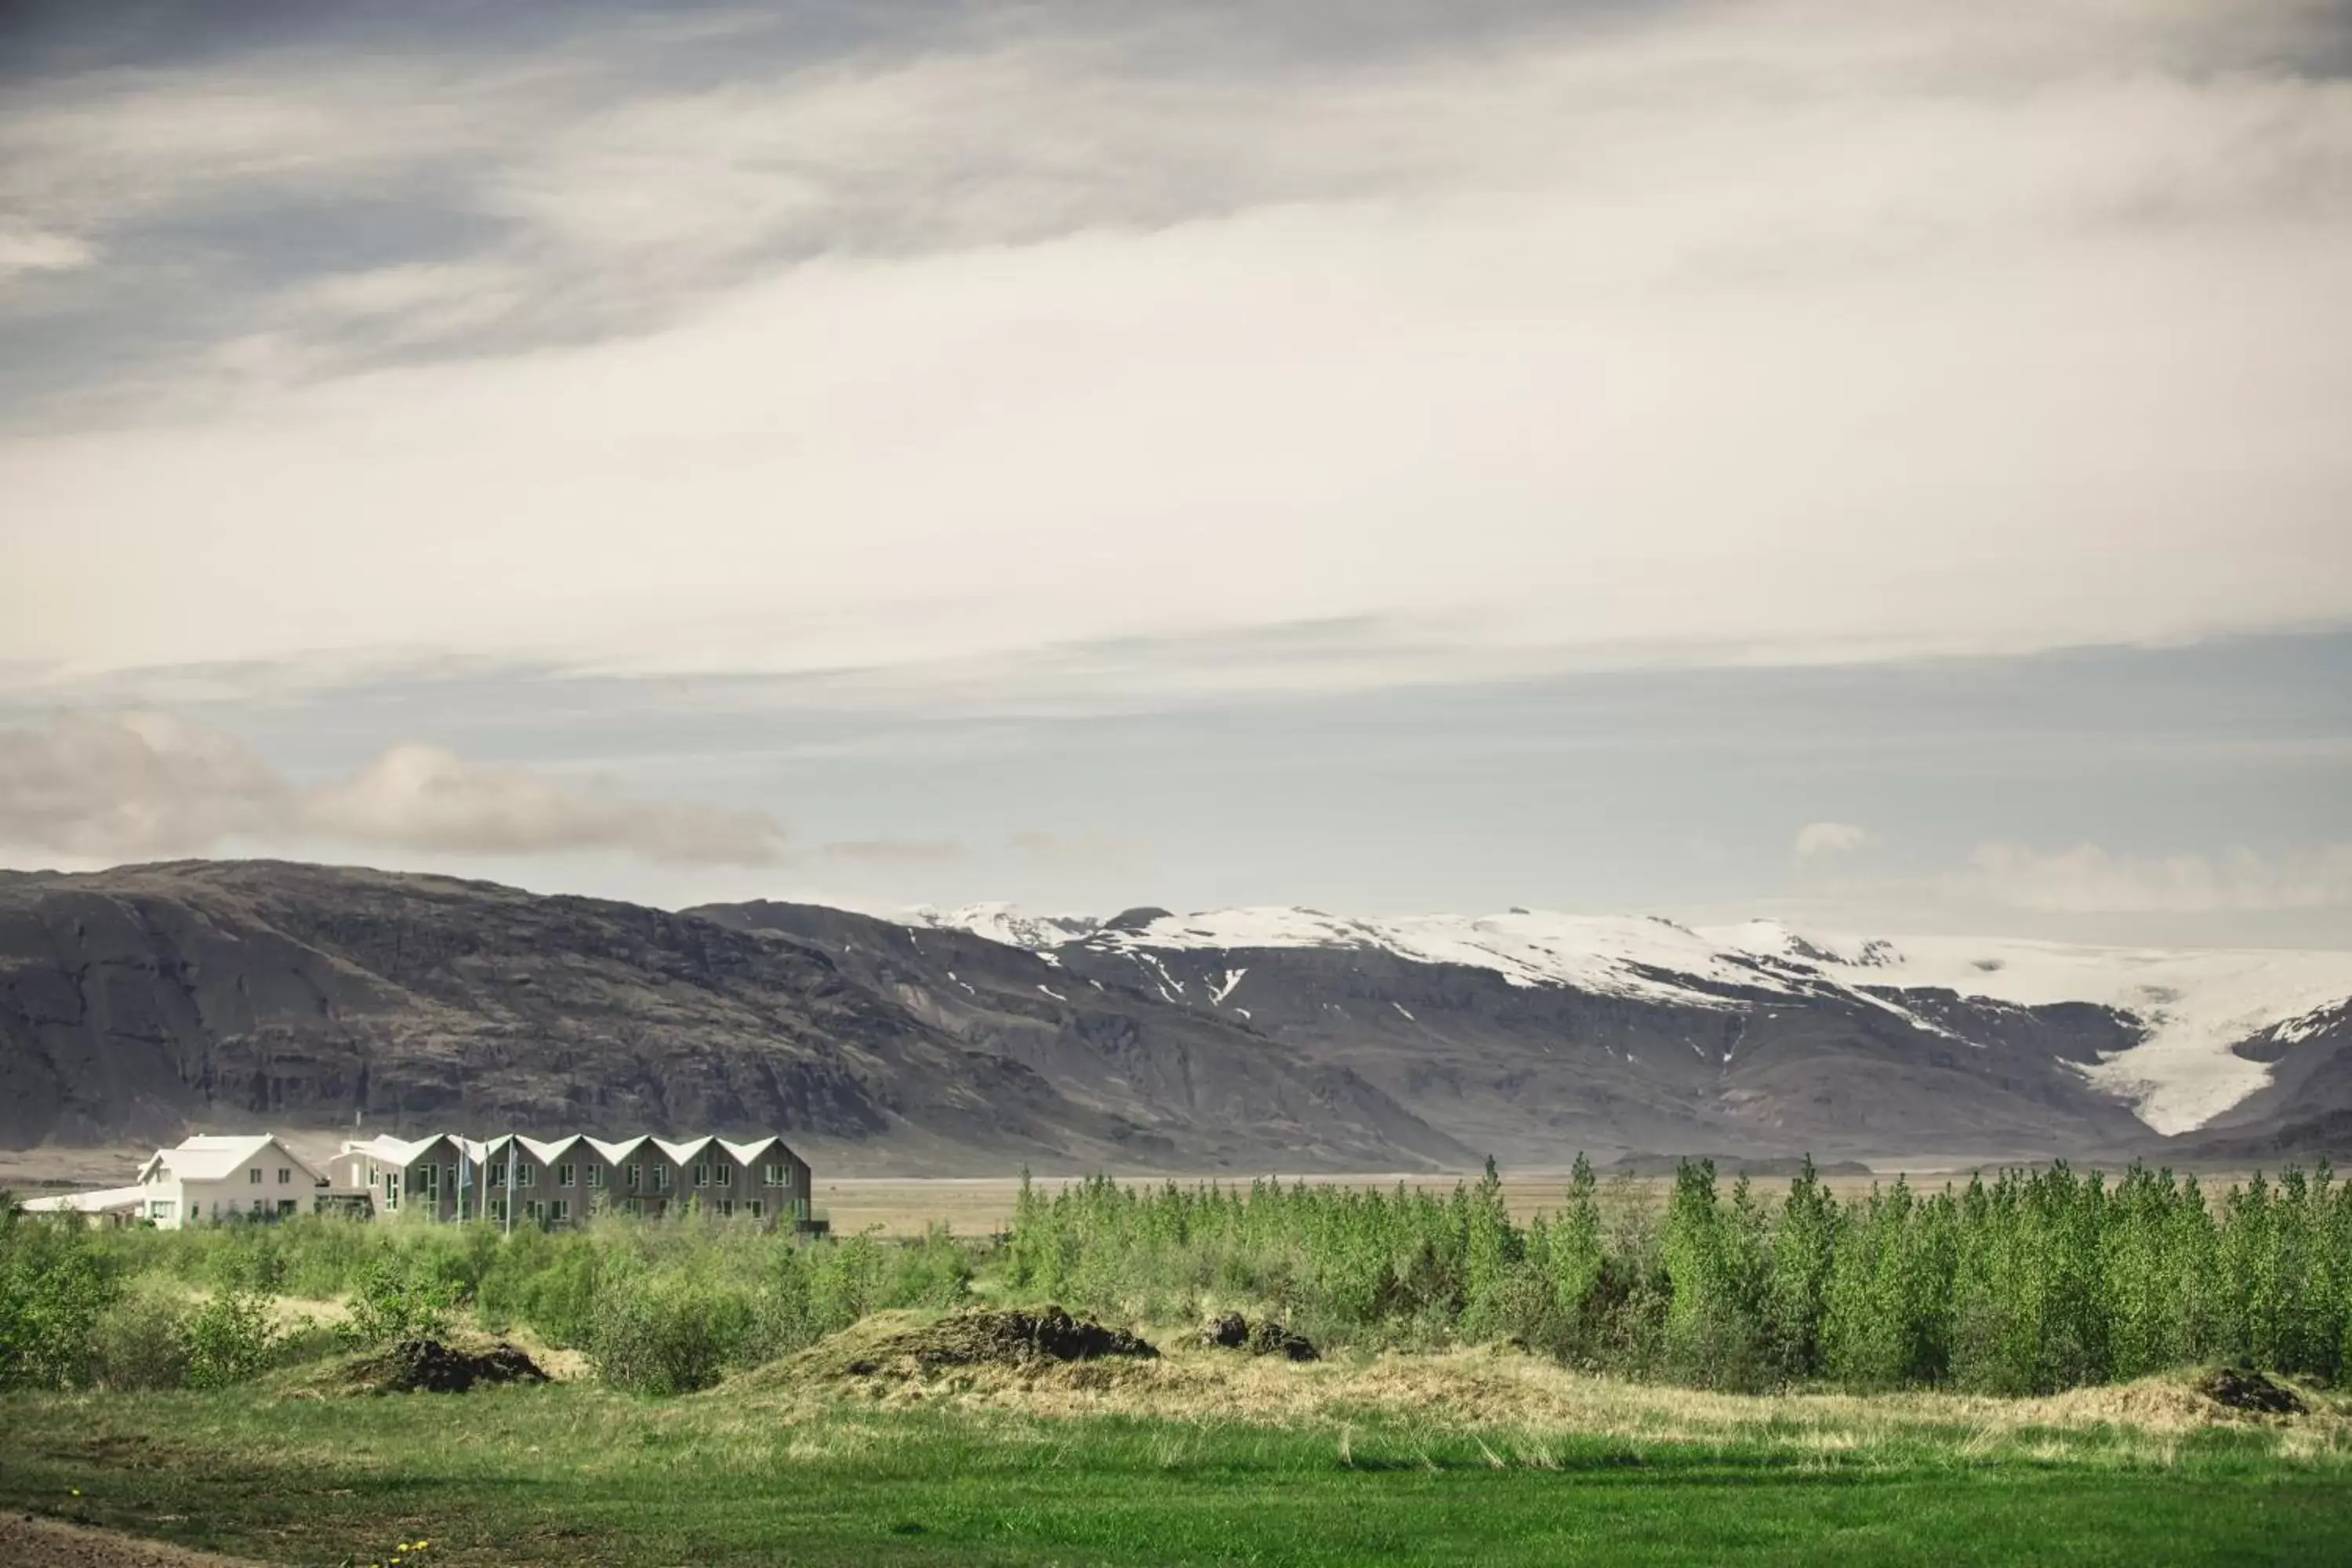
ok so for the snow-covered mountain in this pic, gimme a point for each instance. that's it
(2177, 1062)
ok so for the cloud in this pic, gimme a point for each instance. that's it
(423, 797)
(896, 851)
(24, 248)
(2089, 879)
(1831, 838)
(1583, 326)
(136, 784)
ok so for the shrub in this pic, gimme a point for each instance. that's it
(138, 1343)
(227, 1339)
(54, 1288)
(668, 1336)
(397, 1300)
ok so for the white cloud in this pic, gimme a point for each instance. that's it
(133, 784)
(1791, 329)
(1831, 838)
(2089, 879)
(424, 797)
(140, 785)
(24, 248)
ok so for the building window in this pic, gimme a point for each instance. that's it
(661, 1178)
(286, 1206)
(567, 1174)
(285, 1176)
(160, 1208)
(429, 1181)
(775, 1176)
(725, 1206)
(497, 1175)
(702, 1173)
(757, 1208)
(456, 1183)
(598, 1175)
(260, 1207)
(525, 1175)
(560, 1211)
(253, 1176)
(635, 1177)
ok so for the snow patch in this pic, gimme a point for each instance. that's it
(2192, 1005)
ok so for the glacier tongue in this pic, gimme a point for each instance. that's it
(2194, 1005)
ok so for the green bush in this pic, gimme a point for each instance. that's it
(54, 1288)
(395, 1298)
(660, 1336)
(138, 1343)
(227, 1339)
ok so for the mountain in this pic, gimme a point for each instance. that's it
(1514, 1031)
(140, 1002)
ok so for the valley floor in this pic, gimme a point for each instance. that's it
(1201, 1456)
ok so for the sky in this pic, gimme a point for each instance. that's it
(1876, 462)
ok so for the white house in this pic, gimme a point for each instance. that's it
(218, 1176)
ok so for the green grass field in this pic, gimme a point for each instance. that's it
(574, 1474)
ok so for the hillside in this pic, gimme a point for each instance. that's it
(141, 1001)
(1543, 1039)
(137, 1003)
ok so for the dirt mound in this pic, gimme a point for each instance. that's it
(906, 1345)
(428, 1366)
(2240, 1390)
(1266, 1337)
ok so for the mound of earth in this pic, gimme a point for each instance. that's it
(428, 1366)
(903, 1344)
(2238, 1389)
(1266, 1337)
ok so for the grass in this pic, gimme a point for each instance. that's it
(1426, 1459)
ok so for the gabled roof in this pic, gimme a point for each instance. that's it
(756, 1149)
(680, 1154)
(209, 1156)
(99, 1202)
(550, 1150)
(390, 1151)
(616, 1152)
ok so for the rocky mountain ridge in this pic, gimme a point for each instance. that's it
(147, 1000)
(144, 1001)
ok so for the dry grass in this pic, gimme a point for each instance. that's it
(1520, 1405)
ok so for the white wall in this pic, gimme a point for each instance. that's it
(205, 1202)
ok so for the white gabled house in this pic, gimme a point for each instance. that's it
(226, 1176)
(508, 1179)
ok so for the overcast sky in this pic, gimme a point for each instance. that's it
(1883, 462)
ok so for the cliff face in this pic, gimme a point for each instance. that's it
(138, 1002)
